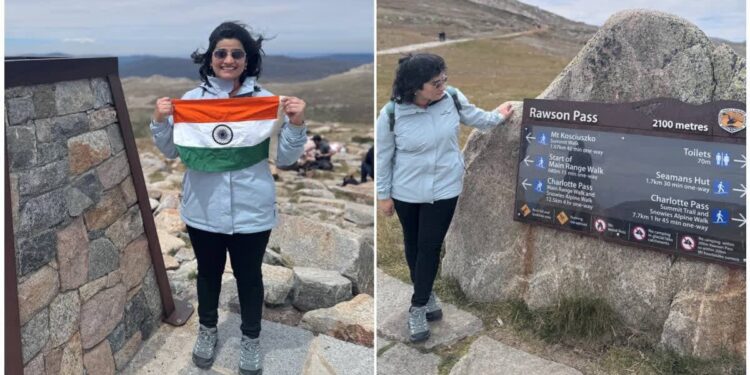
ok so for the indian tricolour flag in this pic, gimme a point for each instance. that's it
(218, 135)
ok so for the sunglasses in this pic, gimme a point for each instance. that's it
(440, 81)
(237, 54)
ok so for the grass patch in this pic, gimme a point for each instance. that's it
(579, 318)
(385, 348)
(156, 176)
(627, 360)
(391, 248)
(450, 355)
(362, 139)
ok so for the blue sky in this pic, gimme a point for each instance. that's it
(178, 27)
(717, 18)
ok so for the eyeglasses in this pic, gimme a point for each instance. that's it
(236, 54)
(440, 81)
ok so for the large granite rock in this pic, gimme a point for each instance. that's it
(351, 321)
(307, 243)
(636, 55)
(315, 288)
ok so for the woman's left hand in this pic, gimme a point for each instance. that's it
(294, 108)
(505, 109)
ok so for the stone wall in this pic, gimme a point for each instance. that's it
(87, 292)
(690, 306)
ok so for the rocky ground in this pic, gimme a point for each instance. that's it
(318, 272)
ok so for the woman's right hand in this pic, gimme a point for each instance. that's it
(163, 109)
(386, 206)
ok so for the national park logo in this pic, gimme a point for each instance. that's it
(732, 119)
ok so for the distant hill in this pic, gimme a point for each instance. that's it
(275, 68)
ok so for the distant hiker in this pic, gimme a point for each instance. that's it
(323, 153)
(366, 168)
(229, 194)
(420, 169)
(441, 36)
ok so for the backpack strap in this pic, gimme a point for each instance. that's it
(390, 110)
(454, 94)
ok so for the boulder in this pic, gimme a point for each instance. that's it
(306, 243)
(349, 321)
(278, 282)
(315, 288)
(636, 55)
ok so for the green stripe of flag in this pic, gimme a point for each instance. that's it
(223, 159)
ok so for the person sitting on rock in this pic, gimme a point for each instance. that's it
(230, 209)
(420, 169)
(323, 153)
(367, 166)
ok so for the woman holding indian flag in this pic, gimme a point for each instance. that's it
(221, 132)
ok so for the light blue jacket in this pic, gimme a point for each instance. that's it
(241, 201)
(420, 161)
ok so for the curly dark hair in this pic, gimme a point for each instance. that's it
(231, 30)
(412, 72)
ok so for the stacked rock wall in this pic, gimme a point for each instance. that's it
(87, 293)
(690, 306)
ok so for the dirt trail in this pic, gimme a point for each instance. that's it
(421, 46)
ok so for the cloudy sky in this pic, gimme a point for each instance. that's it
(718, 18)
(177, 27)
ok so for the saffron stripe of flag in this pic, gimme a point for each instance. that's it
(217, 135)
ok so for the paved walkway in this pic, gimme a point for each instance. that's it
(428, 45)
(485, 355)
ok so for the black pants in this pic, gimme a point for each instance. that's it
(425, 226)
(366, 170)
(246, 254)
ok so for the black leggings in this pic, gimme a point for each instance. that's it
(425, 226)
(246, 254)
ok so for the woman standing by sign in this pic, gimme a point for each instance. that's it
(229, 201)
(420, 169)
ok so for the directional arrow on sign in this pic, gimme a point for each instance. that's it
(741, 161)
(529, 137)
(525, 183)
(743, 191)
(527, 161)
(741, 220)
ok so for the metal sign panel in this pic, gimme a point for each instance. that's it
(659, 174)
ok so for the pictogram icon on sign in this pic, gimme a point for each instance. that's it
(687, 243)
(639, 233)
(600, 225)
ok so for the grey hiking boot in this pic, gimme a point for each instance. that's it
(434, 312)
(204, 350)
(251, 360)
(419, 330)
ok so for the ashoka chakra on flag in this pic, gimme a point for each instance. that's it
(218, 135)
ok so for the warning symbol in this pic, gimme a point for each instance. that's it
(639, 233)
(525, 210)
(687, 243)
(600, 225)
(562, 217)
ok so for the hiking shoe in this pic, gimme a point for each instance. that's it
(418, 328)
(251, 360)
(205, 346)
(434, 312)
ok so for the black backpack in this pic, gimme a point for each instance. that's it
(390, 108)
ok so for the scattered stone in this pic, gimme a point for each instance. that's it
(135, 260)
(404, 360)
(88, 150)
(315, 362)
(307, 243)
(154, 193)
(349, 321)
(99, 360)
(346, 358)
(168, 242)
(318, 193)
(113, 171)
(153, 203)
(73, 255)
(73, 96)
(101, 314)
(63, 317)
(360, 214)
(36, 292)
(103, 258)
(169, 220)
(273, 258)
(394, 298)
(286, 314)
(170, 263)
(34, 335)
(169, 199)
(278, 282)
(362, 193)
(127, 352)
(335, 203)
(185, 255)
(315, 288)
(487, 356)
